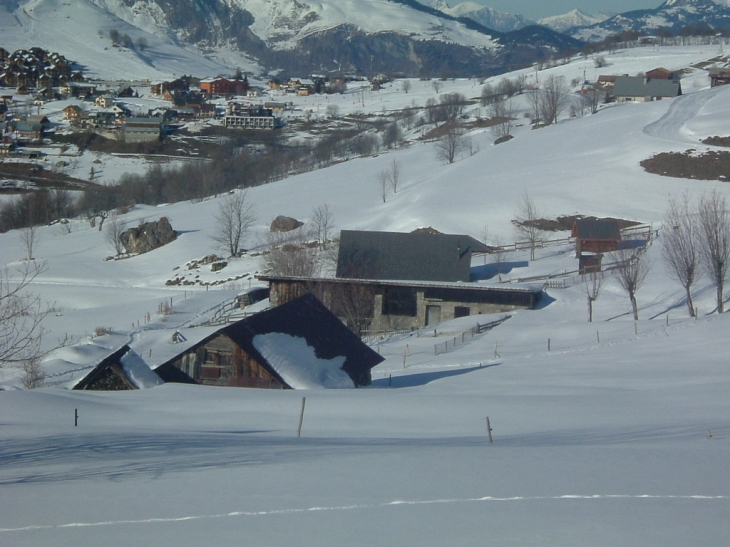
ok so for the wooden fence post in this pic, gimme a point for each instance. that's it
(301, 418)
(489, 430)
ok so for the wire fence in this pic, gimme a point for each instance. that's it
(605, 334)
(500, 345)
(466, 336)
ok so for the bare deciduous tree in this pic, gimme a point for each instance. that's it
(34, 376)
(553, 99)
(488, 94)
(451, 144)
(437, 85)
(29, 237)
(406, 86)
(680, 240)
(383, 184)
(394, 170)
(533, 99)
(21, 314)
(502, 111)
(234, 219)
(389, 178)
(354, 304)
(714, 221)
(453, 105)
(97, 202)
(592, 284)
(113, 233)
(322, 224)
(499, 257)
(631, 269)
(527, 223)
(290, 254)
(392, 136)
(592, 98)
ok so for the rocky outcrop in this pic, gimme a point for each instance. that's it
(285, 224)
(148, 236)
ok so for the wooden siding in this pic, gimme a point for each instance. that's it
(595, 246)
(221, 362)
(112, 378)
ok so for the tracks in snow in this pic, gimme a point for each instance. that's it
(394, 503)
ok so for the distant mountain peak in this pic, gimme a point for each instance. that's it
(673, 15)
(572, 19)
(484, 15)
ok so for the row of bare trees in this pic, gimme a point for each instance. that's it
(696, 241)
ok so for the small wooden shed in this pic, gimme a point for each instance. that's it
(594, 235)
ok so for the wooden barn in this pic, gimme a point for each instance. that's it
(298, 345)
(121, 370)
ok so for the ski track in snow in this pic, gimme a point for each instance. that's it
(394, 503)
(683, 109)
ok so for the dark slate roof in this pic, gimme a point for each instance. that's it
(591, 228)
(418, 256)
(627, 86)
(307, 318)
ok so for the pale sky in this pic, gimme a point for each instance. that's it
(535, 9)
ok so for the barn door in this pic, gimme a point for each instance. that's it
(433, 315)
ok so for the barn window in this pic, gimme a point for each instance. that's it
(461, 311)
(400, 301)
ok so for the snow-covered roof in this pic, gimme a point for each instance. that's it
(297, 362)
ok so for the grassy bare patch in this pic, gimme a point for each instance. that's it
(690, 165)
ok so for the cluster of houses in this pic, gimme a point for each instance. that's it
(310, 86)
(36, 68)
(13, 130)
(655, 85)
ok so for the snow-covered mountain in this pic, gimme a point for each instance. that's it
(572, 19)
(489, 17)
(290, 36)
(672, 14)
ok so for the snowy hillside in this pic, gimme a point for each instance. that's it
(613, 432)
(80, 31)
